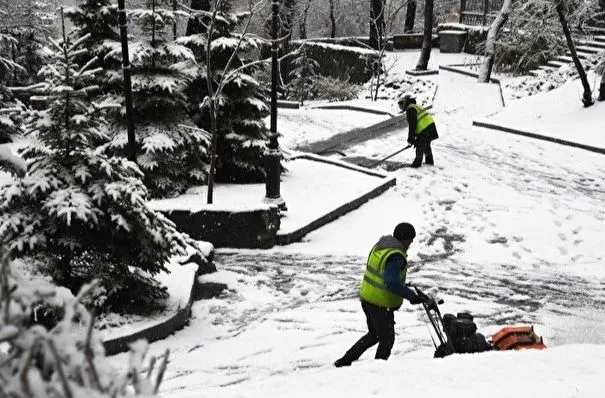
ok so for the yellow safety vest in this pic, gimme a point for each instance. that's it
(423, 118)
(373, 290)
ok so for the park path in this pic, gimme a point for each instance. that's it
(488, 189)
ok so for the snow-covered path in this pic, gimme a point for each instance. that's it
(508, 227)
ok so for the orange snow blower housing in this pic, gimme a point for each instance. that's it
(517, 338)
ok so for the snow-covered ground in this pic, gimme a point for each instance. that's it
(509, 228)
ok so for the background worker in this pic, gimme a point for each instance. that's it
(382, 292)
(422, 129)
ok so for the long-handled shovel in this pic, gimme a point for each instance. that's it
(388, 157)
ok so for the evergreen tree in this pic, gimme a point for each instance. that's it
(173, 151)
(8, 127)
(99, 20)
(241, 101)
(302, 76)
(79, 211)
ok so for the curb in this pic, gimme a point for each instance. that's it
(353, 108)
(453, 69)
(297, 235)
(538, 136)
(155, 332)
(362, 134)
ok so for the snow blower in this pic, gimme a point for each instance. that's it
(458, 334)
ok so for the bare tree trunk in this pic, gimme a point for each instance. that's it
(303, 21)
(376, 23)
(410, 17)
(425, 53)
(490, 44)
(332, 19)
(587, 96)
(194, 25)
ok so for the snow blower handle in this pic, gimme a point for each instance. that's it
(424, 298)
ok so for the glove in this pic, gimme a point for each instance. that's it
(417, 300)
(412, 141)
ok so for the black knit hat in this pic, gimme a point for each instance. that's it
(404, 231)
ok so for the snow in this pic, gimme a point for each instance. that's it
(307, 125)
(558, 114)
(509, 228)
(308, 188)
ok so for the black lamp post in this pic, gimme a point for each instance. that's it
(132, 148)
(273, 157)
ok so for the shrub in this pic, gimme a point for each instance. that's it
(346, 63)
(64, 357)
(329, 88)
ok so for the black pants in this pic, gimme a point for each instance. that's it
(423, 149)
(381, 330)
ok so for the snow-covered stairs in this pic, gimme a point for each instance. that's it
(585, 49)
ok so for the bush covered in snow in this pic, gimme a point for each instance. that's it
(66, 359)
(82, 213)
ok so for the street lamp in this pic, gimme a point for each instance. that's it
(273, 156)
(126, 70)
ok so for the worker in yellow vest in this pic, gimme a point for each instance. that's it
(422, 130)
(382, 292)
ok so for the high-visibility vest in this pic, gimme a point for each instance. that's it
(423, 118)
(373, 290)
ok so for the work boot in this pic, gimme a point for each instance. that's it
(415, 164)
(339, 363)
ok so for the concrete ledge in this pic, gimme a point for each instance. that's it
(224, 228)
(158, 331)
(353, 108)
(413, 72)
(538, 136)
(456, 69)
(288, 104)
(295, 236)
(355, 135)
(412, 41)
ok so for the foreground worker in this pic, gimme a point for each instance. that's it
(422, 129)
(382, 292)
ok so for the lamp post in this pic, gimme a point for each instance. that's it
(273, 156)
(132, 148)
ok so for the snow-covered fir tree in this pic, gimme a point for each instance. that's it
(78, 211)
(99, 20)
(304, 68)
(172, 151)
(67, 359)
(241, 100)
(8, 127)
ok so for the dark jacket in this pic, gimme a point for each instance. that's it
(430, 132)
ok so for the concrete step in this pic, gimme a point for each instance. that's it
(588, 49)
(594, 44)
(556, 64)
(581, 55)
(536, 72)
(564, 58)
(548, 68)
(599, 38)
